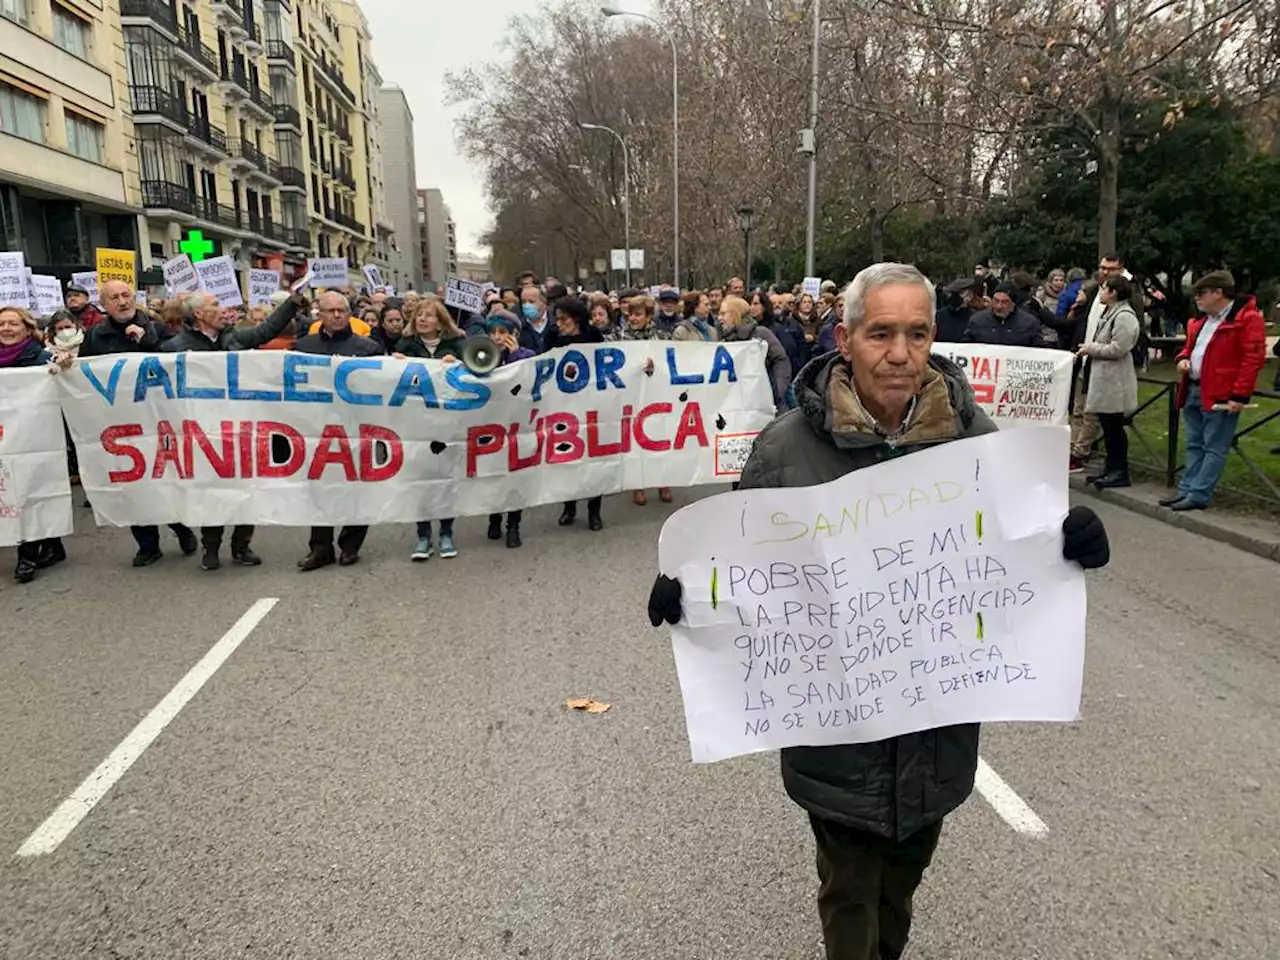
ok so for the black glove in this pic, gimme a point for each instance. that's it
(1084, 539)
(664, 601)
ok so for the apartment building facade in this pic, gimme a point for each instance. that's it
(395, 120)
(69, 181)
(438, 237)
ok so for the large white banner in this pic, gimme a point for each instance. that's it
(35, 491)
(1016, 386)
(299, 439)
(928, 590)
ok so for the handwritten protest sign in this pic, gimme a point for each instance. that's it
(262, 284)
(47, 293)
(329, 272)
(180, 276)
(35, 491)
(928, 590)
(13, 281)
(218, 276)
(1016, 386)
(222, 438)
(464, 295)
(88, 282)
(373, 276)
(117, 265)
(812, 286)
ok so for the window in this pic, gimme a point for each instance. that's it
(15, 10)
(21, 114)
(71, 33)
(84, 138)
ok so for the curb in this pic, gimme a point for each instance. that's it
(1265, 543)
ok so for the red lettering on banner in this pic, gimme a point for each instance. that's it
(167, 452)
(193, 435)
(515, 462)
(554, 438)
(334, 447)
(481, 441)
(691, 427)
(111, 438)
(370, 437)
(297, 450)
(597, 449)
(643, 440)
(246, 448)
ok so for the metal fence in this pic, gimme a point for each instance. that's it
(1164, 458)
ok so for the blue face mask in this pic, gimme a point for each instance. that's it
(531, 311)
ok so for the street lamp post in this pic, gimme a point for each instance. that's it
(626, 193)
(609, 10)
(809, 146)
(747, 221)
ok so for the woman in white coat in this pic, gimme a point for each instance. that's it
(1111, 377)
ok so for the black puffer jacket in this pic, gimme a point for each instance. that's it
(109, 337)
(892, 787)
(1019, 329)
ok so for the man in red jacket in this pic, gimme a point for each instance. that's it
(1226, 347)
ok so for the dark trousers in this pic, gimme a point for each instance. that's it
(241, 534)
(593, 506)
(867, 886)
(349, 540)
(1117, 440)
(513, 518)
(35, 551)
(148, 538)
(446, 528)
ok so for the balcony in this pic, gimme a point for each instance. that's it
(162, 195)
(245, 154)
(206, 137)
(223, 214)
(260, 103)
(198, 54)
(273, 233)
(230, 13)
(351, 223)
(269, 171)
(281, 51)
(155, 11)
(252, 32)
(291, 178)
(333, 78)
(299, 237)
(156, 105)
(286, 115)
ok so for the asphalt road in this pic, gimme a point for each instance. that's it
(385, 767)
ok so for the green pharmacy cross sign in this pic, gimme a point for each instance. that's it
(196, 246)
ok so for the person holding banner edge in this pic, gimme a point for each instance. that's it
(206, 327)
(876, 809)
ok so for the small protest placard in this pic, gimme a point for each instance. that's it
(373, 276)
(328, 272)
(13, 281)
(117, 265)
(180, 276)
(218, 276)
(88, 282)
(262, 284)
(464, 295)
(47, 292)
(812, 286)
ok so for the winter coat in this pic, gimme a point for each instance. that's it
(344, 343)
(531, 339)
(776, 361)
(691, 328)
(109, 337)
(951, 322)
(1113, 382)
(1067, 298)
(827, 335)
(892, 787)
(32, 355)
(234, 338)
(1233, 358)
(1019, 329)
(588, 334)
(89, 316)
(414, 347)
(649, 332)
(791, 335)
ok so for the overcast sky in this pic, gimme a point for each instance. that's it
(414, 43)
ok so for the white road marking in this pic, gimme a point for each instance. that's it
(1012, 808)
(76, 807)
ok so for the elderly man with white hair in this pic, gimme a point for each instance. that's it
(876, 809)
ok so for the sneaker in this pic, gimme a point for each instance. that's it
(1077, 465)
(422, 551)
(145, 558)
(1170, 501)
(210, 560)
(447, 550)
(246, 557)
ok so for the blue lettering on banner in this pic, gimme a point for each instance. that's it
(193, 393)
(722, 363)
(113, 379)
(463, 380)
(233, 383)
(414, 382)
(609, 360)
(295, 377)
(573, 362)
(345, 369)
(151, 374)
(678, 378)
(545, 369)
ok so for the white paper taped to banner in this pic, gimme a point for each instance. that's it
(1016, 386)
(300, 439)
(35, 490)
(926, 591)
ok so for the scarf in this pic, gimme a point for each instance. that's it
(9, 355)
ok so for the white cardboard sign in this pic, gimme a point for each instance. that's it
(13, 280)
(262, 285)
(328, 272)
(464, 295)
(218, 276)
(180, 276)
(47, 293)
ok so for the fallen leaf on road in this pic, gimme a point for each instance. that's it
(587, 704)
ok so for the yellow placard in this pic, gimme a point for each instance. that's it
(117, 265)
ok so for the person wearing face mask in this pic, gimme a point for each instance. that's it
(537, 329)
(668, 312)
(206, 327)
